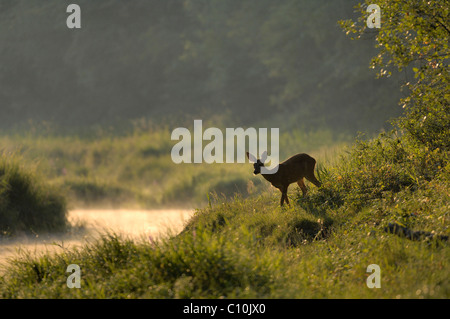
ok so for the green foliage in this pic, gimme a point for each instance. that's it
(27, 204)
(416, 35)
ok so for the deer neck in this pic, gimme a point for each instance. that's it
(271, 175)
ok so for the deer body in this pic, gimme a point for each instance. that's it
(292, 170)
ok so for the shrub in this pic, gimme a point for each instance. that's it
(26, 202)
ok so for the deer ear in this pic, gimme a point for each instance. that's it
(251, 157)
(264, 156)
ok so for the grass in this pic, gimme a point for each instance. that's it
(319, 247)
(249, 247)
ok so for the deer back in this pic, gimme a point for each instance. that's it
(292, 170)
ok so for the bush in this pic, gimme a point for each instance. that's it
(388, 163)
(26, 202)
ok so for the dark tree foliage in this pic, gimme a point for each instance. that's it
(284, 62)
(416, 35)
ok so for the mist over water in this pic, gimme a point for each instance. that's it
(146, 225)
(132, 223)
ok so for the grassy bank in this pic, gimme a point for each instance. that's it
(246, 250)
(27, 203)
(320, 247)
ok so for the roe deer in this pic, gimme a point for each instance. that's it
(291, 170)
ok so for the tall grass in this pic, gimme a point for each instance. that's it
(244, 249)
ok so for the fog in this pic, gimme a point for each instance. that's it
(89, 224)
(241, 62)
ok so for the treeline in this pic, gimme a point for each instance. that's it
(286, 62)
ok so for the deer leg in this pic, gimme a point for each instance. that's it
(313, 179)
(284, 196)
(302, 186)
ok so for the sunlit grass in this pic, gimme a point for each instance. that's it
(27, 202)
(245, 245)
(245, 249)
(135, 170)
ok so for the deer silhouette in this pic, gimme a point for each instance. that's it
(292, 170)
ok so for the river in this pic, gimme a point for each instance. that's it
(135, 224)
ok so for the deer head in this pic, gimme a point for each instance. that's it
(257, 163)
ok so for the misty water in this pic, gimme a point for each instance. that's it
(146, 225)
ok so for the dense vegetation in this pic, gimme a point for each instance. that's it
(385, 201)
(242, 62)
(136, 170)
